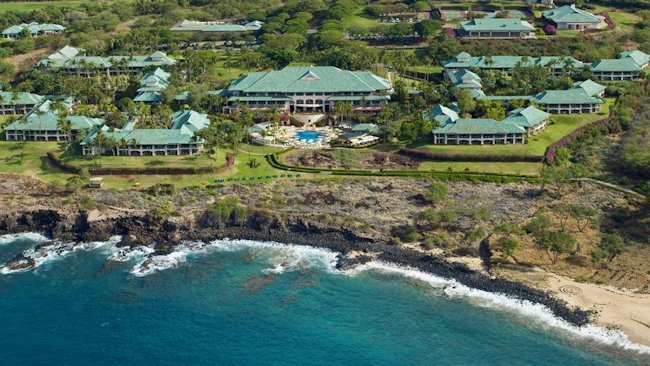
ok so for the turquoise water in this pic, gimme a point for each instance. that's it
(258, 304)
(308, 136)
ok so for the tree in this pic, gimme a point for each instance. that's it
(465, 100)
(427, 28)
(473, 235)
(491, 109)
(556, 244)
(509, 246)
(612, 245)
(538, 225)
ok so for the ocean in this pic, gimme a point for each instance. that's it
(255, 303)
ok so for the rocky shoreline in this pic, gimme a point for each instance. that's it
(137, 229)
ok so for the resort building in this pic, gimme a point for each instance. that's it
(496, 28)
(308, 90)
(581, 98)
(464, 79)
(152, 85)
(214, 27)
(18, 102)
(72, 60)
(530, 118)
(44, 124)
(180, 139)
(570, 17)
(628, 66)
(34, 29)
(463, 60)
(453, 130)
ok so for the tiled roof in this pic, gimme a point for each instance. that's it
(479, 126)
(310, 79)
(496, 24)
(570, 14)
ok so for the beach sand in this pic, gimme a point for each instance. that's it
(620, 309)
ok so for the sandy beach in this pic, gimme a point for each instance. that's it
(620, 309)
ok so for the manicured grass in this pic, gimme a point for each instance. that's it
(531, 169)
(358, 21)
(624, 20)
(429, 69)
(28, 6)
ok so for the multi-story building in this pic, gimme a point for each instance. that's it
(308, 89)
(556, 64)
(34, 29)
(73, 60)
(628, 66)
(18, 102)
(152, 85)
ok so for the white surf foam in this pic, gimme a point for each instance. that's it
(35, 237)
(51, 252)
(281, 257)
(538, 313)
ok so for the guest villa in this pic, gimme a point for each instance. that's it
(179, 139)
(309, 89)
(213, 27)
(570, 17)
(152, 85)
(464, 60)
(18, 102)
(45, 124)
(34, 29)
(496, 28)
(72, 60)
(453, 130)
(628, 66)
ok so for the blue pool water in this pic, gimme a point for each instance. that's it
(308, 135)
(253, 303)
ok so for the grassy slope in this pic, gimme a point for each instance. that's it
(561, 126)
(28, 6)
(360, 21)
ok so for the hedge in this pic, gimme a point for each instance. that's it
(428, 155)
(453, 176)
(74, 169)
(603, 127)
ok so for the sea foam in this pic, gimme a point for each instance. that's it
(540, 314)
(10, 238)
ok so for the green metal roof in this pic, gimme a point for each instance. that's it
(19, 98)
(616, 65)
(148, 136)
(48, 122)
(496, 24)
(310, 79)
(190, 121)
(590, 87)
(570, 14)
(639, 57)
(441, 114)
(465, 79)
(478, 126)
(33, 28)
(569, 96)
(527, 117)
(69, 57)
(258, 99)
(365, 127)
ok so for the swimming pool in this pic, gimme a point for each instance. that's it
(308, 135)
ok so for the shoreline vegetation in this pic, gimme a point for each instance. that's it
(315, 215)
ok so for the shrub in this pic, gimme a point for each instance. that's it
(550, 30)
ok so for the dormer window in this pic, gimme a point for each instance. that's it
(309, 76)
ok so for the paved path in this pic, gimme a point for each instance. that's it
(612, 186)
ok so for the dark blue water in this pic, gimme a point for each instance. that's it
(224, 307)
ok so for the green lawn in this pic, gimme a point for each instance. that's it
(561, 125)
(28, 6)
(359, 22)
(429, 69)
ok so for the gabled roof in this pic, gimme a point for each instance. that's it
(464, 78)
(190, 120)
(144, 136)
(569, 96)
(509, 62)
(590, 87)
(34, 28)
(570, 14)
(69, 57)
(496, 24)
(626, 64)
(479, 126)
(19, 98)
(317, 79)
(640, 58)
(44, 118)
(527, 117)
(442, 114)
